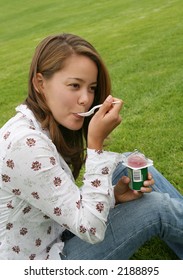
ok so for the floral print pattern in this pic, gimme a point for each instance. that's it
(10, 163)
(38, 195)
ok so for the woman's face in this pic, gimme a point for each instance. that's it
(71, 90)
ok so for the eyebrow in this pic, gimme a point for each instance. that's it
(75, 78)
(79, 79)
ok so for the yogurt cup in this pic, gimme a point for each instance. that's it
(137, 165)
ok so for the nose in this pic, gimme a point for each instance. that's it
(84, 97)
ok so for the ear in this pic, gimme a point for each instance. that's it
(38, 82)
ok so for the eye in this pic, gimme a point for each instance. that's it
(74, 86)
(93, 89)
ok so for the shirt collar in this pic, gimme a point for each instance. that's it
(24, 110)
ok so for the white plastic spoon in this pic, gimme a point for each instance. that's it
(91, 111)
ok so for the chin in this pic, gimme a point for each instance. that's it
(73, 127)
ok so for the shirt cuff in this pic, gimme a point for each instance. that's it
(101, 162)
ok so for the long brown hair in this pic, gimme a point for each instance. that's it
(49, 57)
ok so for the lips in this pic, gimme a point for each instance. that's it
(77, 116)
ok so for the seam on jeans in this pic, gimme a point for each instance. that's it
(122, 244)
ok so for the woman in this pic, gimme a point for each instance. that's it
(43, 214)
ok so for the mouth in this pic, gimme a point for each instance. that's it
(77, 116)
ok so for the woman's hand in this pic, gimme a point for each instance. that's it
(103, 122)
(123, 193)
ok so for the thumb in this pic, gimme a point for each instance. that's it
(124, 180)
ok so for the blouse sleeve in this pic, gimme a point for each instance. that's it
(32, 171)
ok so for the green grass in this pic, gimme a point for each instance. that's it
(141, 42)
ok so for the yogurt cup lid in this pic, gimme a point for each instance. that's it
(137, 160)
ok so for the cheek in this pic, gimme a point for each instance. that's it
(55, 98)
(91, 100)
(64, 104)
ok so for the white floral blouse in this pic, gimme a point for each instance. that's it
(38, 196)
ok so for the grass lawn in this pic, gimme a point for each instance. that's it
(141, 43)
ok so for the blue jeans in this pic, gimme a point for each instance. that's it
(131, 224)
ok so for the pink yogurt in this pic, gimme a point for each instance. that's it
(137, 161)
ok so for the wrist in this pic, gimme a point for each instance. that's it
(116, 194)
(95, 145)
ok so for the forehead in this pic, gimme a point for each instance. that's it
(80, 64)
(80, 61)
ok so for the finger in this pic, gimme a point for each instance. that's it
(149, 181)
(107, 105)
(119, 103)
(124, 180)
(149, 176)
(137, 194)
(146, 189)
